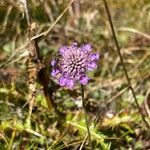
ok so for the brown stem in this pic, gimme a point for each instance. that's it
(122, 61)
(37, 60)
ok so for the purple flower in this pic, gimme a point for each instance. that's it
(72, 64)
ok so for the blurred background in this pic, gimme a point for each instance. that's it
(110, 104)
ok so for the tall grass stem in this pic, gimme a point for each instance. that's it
(122, 61)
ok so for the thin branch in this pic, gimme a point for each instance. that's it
(122, 61)
(31, 65)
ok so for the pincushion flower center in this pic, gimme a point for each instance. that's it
(75, 64)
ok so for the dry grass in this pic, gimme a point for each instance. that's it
(110, 102)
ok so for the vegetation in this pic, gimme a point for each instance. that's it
(36, 113)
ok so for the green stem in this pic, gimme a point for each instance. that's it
(86, 118)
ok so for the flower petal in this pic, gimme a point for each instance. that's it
(84, 79)
(94, 56)
(70, 84)
(86, 47)
(53, 62)
(91, 66)
(75, 44)
(63, 49)
(67, 82)
(62, 81)
(54, 72)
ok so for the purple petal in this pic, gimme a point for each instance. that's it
(70, 84)
(63, 81)
(94, 57)
(91, 66)
(84, 79)
(54, 72)
(62, 49)
(74, 44)
(86, 47)
(53, 62)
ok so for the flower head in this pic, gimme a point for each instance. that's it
(72, 64)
